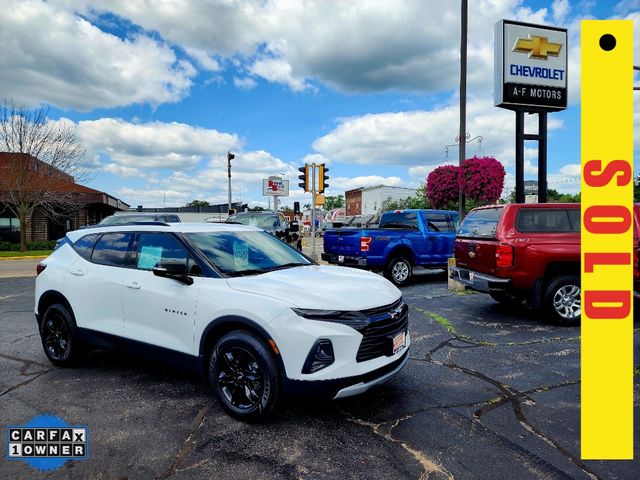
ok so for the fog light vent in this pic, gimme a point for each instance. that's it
(320, 356)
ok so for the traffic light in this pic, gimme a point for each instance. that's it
(322, 178)
(296, 208)
(305, 184)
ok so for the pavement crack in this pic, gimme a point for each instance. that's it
(26, 382)
(189, 442)
(384, 430)
(27, 364)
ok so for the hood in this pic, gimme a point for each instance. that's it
(321, 287)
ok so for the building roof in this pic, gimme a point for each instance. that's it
(55, 180)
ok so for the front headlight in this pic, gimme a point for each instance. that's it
(355, 320)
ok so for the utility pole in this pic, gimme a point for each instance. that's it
(230, 156)
(463, 97)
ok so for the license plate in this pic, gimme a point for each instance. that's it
(398, 341)
(340, 258)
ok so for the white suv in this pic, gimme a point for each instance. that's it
(255, 316)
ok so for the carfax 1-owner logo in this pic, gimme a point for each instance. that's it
(47, 442)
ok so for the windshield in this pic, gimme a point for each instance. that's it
(480, 223)
(124, 219)
(266, 222)
(246, 253)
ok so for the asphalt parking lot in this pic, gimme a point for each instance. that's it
(490, 392)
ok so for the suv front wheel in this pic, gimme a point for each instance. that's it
(562, 300)
(244, 375)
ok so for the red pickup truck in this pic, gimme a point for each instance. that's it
(531, 252)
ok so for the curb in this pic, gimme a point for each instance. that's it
(24, 257)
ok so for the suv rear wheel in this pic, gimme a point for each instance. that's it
(562, 300)
(398, 271)
(244, 375)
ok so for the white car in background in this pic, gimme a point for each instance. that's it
(255, 316)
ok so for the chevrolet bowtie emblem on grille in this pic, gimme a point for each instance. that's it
(537, 47)
(395, 313)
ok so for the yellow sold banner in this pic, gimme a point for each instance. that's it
(607, 239)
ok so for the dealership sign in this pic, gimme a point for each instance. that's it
(530, 66)
(275, 186)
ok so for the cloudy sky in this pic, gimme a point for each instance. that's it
(161, 90)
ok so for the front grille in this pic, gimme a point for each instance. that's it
(378, 334)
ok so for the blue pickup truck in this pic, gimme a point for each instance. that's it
(404, 239)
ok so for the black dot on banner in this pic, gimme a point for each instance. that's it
(607, 42)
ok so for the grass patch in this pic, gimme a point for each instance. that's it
(438, 318)
(29, 253)
(636, 372)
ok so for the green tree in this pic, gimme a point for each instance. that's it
(553, 196)
(257, 209)
(332, 202)
(198, 203)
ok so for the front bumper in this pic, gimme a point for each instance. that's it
(348, 386)
(344, 259)
(481, 282)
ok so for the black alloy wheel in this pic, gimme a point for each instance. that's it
(244, 374)
(58, 334)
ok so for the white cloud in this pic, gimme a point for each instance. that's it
(571, 170)
(154, 144)
(51, 55)
(245, 83)
(204, 60)
(409, 45)
(418, 138)
(560, 9)
(122, 171)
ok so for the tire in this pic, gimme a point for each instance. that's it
(59, 336)
(399, 271)
(507, 298)
(245, 376)
(562, 300)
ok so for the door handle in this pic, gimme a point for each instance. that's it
(431, 238)
(78, 272)
(134, 285)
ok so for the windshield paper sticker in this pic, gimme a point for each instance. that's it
(241, 254)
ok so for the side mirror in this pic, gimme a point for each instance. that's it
(175, 271)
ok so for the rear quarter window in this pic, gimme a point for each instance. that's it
(539, 220)
(84, 245)
(111, 249)
(407, 220)
(481, 223)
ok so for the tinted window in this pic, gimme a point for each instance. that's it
(172, 218)
(154, 248)
(399, 220)
(439, 222)
(481, 223)
(574, 219)
(84, 245)
(111, 249)
(539, 220)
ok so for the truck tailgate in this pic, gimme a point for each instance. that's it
(343, 242)
(476, 254)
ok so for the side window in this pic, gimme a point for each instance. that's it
(574, 218)
(543, 221)
(84, 245)
(111, 249)
(172, 218)
(439, 222)
(154, 248)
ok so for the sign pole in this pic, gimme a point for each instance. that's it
(519, 155)
(542, 157)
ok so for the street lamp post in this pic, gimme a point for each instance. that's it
(463, 97)
(230, 156)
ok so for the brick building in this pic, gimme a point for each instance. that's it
(353, 202)
(78, 205)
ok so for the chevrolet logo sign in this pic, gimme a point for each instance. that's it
(537, 47)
